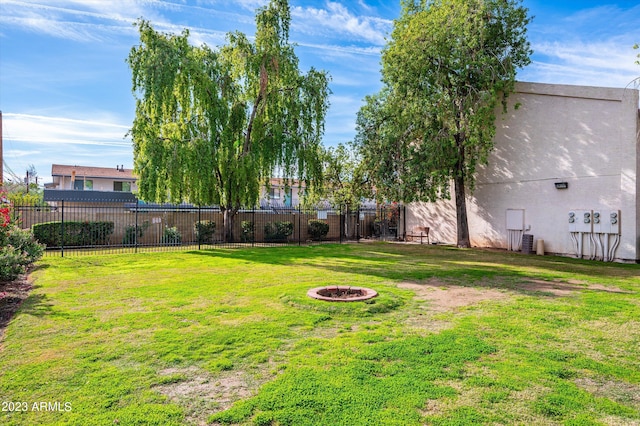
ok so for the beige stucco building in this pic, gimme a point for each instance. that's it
(566, 149)
(83, 178)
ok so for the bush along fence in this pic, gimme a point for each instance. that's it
(84, 227)
(18, 247)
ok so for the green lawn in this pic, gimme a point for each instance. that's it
(455, 337)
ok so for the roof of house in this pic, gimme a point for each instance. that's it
(276, 181)
(93, 172)
(88, 196)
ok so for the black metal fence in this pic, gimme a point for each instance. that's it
(73, 228)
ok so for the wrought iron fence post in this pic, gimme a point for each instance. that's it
(299, 227)
(341, 223)
(253, 228)
(404, 222)
(62, 231)
(358, 225)
(135, 238)
(198, 227)
(385, 222)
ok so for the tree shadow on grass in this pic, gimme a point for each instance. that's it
(454, 267)
(16, 296)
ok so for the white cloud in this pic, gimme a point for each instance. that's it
(16, 153)
(336, 19)
(66, 22)
(344, 50)
(102, 21)
(42, 140)
(606, 63)
(62, 130)
(599, 56)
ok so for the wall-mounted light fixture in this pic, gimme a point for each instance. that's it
(562, 185)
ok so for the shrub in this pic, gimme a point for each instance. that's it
(24, 241)
(12, 263)
(171, 236)
(318, 229)
(133, 233)
(18, 248)
(277, 231)
(88, 233)
(205, 231)
(247, 231)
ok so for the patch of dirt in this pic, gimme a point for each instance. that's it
(445, 297)
(555, 288)
(12, 294)
(203, 394)
(620, 392)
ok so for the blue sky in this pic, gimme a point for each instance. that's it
(65, 89)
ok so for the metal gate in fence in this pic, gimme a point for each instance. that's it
(383, 223)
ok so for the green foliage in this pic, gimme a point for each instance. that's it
(171, 236)
(210, 126)
(277, 231)
(318, 229)
(18, 248)
(133, 233)
(33, 198)
(12, 263)
(205, 231)
(24, 242)
(247, 227)
(447, 66)
(346, 180)
(76, 233)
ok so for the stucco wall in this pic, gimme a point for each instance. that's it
(585, 136)
(99, 183)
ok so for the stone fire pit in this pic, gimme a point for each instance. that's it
(342, 293)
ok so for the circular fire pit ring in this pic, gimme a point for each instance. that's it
(335, 293)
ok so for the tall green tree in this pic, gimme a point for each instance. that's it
(446, 68)
(346, 182)
(212, 126)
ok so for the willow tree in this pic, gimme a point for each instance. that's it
(211, 126)
(447, 66)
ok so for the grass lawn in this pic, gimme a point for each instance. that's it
(455, 337)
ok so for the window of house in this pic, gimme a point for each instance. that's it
(274, 193)
(79, 185)
(288, 198)
(122, 186)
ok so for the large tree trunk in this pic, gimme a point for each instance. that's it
(228, 215)
(461, 200)
(461, 213)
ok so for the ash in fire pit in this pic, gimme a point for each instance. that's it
(342, 293)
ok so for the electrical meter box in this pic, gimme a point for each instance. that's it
(614, 221)
(600, 223)
(583, 220)
(572, 221)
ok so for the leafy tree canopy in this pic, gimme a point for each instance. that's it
(212, 125)
(346, 182)
(448, 65)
